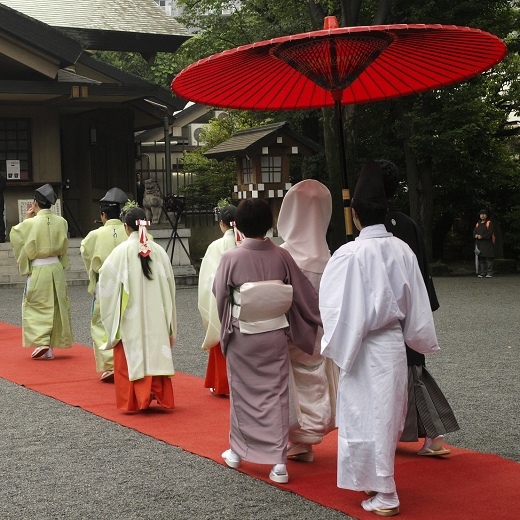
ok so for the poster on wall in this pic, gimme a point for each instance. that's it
(25, 204)
(13, 170)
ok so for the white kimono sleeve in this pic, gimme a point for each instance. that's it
(206, 300)
(110, 294)
(344, 309)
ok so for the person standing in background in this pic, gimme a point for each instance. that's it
(95, 248)
(484, 234)
(216, 373)
(40, 246)
(302, 223)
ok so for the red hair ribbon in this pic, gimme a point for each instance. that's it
(239, 236)
(144, 246)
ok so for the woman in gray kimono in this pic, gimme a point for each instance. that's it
(256, 320)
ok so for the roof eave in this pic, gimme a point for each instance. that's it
(262, 141)
(62, 88)
(161, 94)
(104, 40)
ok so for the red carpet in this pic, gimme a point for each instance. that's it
(468, 485)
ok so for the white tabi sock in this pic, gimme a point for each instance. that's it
(382, 501)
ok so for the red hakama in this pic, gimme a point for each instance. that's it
(136, 395)
(216, 373)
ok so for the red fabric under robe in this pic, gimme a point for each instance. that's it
(136, 395)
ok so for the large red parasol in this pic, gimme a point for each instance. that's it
(339, 66)
(365, 64)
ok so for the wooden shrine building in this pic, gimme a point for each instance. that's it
(263, 161)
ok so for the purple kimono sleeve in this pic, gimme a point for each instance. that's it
(222, 290)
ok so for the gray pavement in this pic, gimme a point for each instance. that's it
(60, 462)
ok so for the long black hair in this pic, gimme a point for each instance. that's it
(131, 218)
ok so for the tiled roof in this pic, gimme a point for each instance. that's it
(38, 35)
(132, 16)
(245, 140)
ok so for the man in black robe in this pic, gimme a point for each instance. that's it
(429, 415)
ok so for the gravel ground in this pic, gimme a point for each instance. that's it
(60, 462)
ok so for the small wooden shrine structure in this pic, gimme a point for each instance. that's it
(263, 160)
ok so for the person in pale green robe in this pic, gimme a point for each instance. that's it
(40, 246)
(216, 373)
(137, 305)
(95, 248)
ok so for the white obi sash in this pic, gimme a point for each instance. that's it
(261, 306)
(46, 261)
(40, 261)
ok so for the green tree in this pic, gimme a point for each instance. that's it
(454, 145)
(454, 152)
(213, 180)
(160, 71)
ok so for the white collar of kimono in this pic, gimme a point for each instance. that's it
(377, 231)
(302, 223)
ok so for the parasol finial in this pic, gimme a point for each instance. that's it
(330, 22)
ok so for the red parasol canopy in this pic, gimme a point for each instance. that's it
(358, 64)
(339, 66)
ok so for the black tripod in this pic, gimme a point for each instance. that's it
(174, 204)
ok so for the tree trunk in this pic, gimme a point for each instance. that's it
(383, 10)
(316, 15)
(426, 205)
(350, 12)
(420, 187)
(337, 232)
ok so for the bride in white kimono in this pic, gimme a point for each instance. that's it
(373, 300)
(302, 223)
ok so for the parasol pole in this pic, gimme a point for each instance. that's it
(336, 96)
(331, 22)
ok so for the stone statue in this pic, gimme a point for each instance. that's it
(152, 201)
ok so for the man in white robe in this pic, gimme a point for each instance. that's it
(373, 300)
